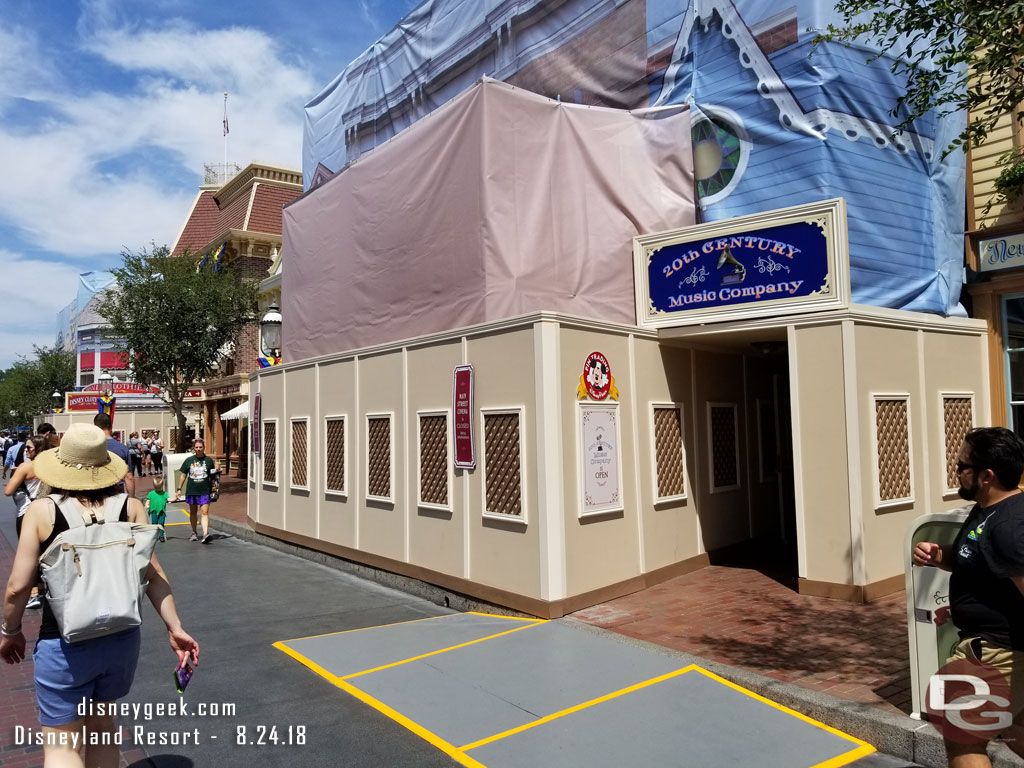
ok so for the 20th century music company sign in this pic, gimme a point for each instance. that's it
(775, 263)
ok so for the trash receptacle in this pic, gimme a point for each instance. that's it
(927, 592)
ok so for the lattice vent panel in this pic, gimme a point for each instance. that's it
(893, 438)
(724, 470)
(957, 417)
(668, 449)
(434, 460)
(300, 473)
(172, 441)
(336, 455)
(501, 454)
(379, 458)
(269, 452)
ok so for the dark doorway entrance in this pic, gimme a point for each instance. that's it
(772, 547)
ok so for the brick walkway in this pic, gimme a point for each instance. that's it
(745, 618)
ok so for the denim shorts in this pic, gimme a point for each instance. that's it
(200, 500)
(101, 670)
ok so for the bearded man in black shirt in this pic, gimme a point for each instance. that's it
(986, 588)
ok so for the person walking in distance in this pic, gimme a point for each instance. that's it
(117, 448)
(84, 478)
(156, 453)
(195, 478)
(986, 586)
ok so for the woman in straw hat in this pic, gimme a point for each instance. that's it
(98, 670)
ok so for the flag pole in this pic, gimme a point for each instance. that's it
(225, 136)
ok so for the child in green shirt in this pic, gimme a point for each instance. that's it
(156, 505)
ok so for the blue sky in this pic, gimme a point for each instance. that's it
(110, 108)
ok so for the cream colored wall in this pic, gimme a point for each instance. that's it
(724, 516)
(300, 403)
(889, 362)
(605, 548)
(382, 524)
(271, 497)
(505, 554)
(437, 537)
(953, 365)
(337, 397)
(669, 529)
(925, 364)
(820, 456)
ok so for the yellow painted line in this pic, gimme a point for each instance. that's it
(797, 715)
(441, 650)
(449, 749)
(846, 759)
(577, 708)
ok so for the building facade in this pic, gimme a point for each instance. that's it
(237, 224)
(996, 262)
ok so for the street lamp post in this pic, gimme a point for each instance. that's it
(106, 382)
(57, 399)
(270, 331)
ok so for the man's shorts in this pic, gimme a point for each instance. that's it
(200, 500)
(100, 670)
(1009, 662)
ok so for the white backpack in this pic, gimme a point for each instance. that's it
(95, 573)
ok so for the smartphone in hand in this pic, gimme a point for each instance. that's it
(182, 674)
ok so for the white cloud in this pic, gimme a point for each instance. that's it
(37, 291)
(55, 193)
(25, 76)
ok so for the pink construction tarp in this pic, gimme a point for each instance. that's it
(499, 203)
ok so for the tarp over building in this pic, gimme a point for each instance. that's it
(772, 124)
(499, 203)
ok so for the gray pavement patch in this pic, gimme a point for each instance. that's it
(688, 719)
(366, 649)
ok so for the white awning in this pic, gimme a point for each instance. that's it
(240, 411)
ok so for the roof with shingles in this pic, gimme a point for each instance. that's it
(232, 216)
(252, 202)
(202, 225)
(266, 209)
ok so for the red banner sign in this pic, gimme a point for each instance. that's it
(462, 408)
(82, 402)
(256, 426)
(125, 388)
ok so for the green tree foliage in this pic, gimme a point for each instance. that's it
(960, 55)
(27, 386)
(172, 319)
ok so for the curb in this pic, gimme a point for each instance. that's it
(892, 734)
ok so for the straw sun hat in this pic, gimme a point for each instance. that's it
(81, 462)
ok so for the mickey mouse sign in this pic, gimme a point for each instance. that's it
(596, 381)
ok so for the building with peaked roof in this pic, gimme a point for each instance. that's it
(237, 223)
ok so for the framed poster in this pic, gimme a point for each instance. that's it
(600, 463)
(462, 408)
(256, 425)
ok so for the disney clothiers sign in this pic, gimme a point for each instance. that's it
(775, 263)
